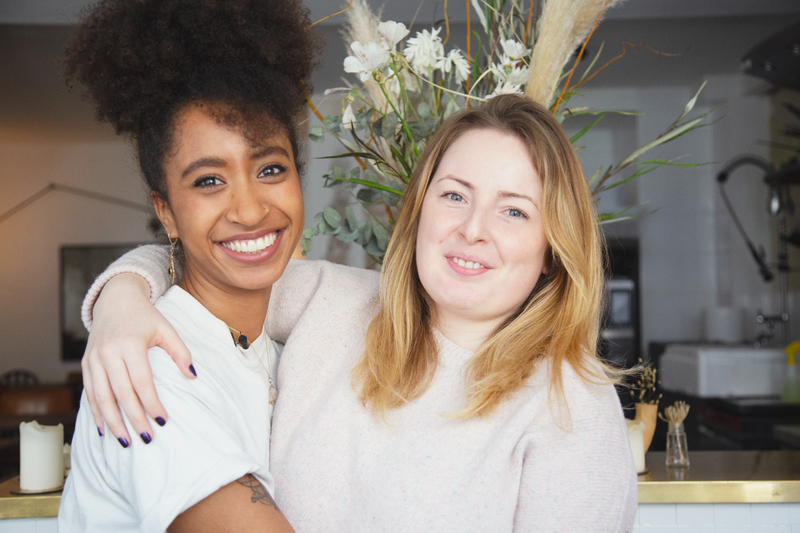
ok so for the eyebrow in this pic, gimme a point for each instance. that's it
(218, 162)
(502, 194)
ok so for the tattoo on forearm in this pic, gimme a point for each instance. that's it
(259, 493)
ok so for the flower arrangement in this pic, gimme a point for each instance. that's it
(646, 384)
(408, 85)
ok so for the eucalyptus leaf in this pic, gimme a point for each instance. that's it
(352, 221)
(333, 123)
(422, 128)
(367, 231)
(390, 198)
(424, 110)
(332, 217)
(348, 236)
(382, 235)
(369, 196)
(310, 232)
(373, 249)
(355, 173)
(317, 134)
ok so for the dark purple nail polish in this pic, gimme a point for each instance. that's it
(191, 369)
(100, 432)
(124, 442)
(146, 438)
(160, 421)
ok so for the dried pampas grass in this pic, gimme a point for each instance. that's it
(563, 26)
(362, 26)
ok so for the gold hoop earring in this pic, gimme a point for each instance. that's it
(172, 244)
(266, 211)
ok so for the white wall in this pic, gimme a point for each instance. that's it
(30, 240)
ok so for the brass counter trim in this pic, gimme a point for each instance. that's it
(723, 477)
(719, 491)
(27, 506)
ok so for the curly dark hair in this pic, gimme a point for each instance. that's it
(143, 61)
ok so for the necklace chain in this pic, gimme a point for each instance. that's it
(242, 342)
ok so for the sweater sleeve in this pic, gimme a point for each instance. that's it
(150, 262)
(581, 478)
(327, 287)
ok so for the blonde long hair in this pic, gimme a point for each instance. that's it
(558, 322)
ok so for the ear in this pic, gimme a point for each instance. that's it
(164, 214)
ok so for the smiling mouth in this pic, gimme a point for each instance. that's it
(469, 265)
(251, 246)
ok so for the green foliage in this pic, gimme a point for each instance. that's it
(383, 128)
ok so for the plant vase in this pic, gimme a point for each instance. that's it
(647, 412)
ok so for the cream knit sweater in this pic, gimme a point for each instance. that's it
(338, 468)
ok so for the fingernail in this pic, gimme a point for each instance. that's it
(100, 431)
(146, 438)
(124, 442)
(191, 369)
(160, 421)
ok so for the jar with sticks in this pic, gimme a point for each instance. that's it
(677, 448)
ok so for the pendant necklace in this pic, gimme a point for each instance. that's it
(242, 345)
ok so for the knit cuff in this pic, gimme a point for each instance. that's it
(150, 262)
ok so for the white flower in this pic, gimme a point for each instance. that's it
(391, 33)
(518, 76)
(509, 71)
(505, 88)
(348, 118)
(514, 50)
(457, 63)
(424, 50)
(366, 59)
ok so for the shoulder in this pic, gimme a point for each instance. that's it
(342, 277)
(322, 280)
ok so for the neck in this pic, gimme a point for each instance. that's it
(242, 309)
(465, 333)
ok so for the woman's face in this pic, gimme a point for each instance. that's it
(481, 245)
(219, 188)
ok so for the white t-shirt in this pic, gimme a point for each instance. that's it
(218, 431)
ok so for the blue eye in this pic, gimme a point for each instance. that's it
(206, 182)
(454, 196)
(516, 213)
(271, 171)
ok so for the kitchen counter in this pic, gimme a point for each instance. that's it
(723, 477)
(745, 486)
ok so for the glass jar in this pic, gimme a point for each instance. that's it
(677, 449)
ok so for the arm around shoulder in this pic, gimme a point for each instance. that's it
(149, 262)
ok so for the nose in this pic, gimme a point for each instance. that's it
(245, 206)
(475, 225)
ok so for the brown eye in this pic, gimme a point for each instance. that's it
(207, 182)
(271, 171)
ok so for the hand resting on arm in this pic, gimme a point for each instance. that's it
(115, 365)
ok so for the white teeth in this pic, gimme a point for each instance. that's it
(252, 246)
(470, 265)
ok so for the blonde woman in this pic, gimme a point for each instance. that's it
(463, 391)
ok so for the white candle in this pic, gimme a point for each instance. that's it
(41, 459)
(636, 437)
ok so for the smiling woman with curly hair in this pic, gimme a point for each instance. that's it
(208, 90)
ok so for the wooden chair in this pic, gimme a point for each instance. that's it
(18, 378)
